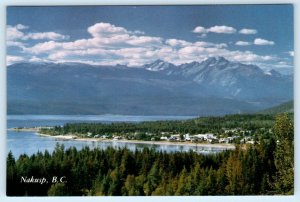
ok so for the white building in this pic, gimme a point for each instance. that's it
(164, 138)
(174, 138)
(205, 136)
(187, 137)
(117, 138)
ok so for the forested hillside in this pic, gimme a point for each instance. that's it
(253, 122)
(286, 107)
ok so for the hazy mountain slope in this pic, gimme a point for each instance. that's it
(213, 87)
(286, 107)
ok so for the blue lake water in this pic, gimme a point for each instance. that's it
(29, 142)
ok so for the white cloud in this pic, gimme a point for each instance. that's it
(20, 26)
(108, 34)
(60, 55)
(14, 33)
(248, 31)
(242, 43)
(221, 45)
(283, 64)
(215, 29)
(203, 44)
(110, 45)
(101, 29)
(248, 56)
(44, 47)
(11, 59)
(36, 59)
(278, 66)
(15, 44)
(291, 53)
(144, 40)
(45, 35)
(176, 42)
(137, 32)
(199, 30)
(222, 29)
(104, 35)
(191, 51)
(202, 36)
(263, 42)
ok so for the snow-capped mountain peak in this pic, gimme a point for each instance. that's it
(214, 86)
(219, 60)
(158, 65)
(272, 72)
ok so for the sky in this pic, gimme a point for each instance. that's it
(135, 35)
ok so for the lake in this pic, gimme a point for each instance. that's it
(29, 142)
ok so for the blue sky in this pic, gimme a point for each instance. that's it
(136, 35)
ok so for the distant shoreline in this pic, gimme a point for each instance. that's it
(167, 143)
(35, 129)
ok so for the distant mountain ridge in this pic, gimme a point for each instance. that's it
(286, 107)
(215, 86)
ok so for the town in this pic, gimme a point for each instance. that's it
(225, 136)
(229, 136)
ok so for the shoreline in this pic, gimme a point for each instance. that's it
(166, 143)
(35, 129)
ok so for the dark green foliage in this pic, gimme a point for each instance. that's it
(263, 168)
(147, 172)
(253, 122)
(57, 190)
(284, 155)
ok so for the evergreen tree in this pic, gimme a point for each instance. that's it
(152, 180)
(58, 189)
(284, 155)
(182, 188)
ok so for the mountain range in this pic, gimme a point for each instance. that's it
(215, 86)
